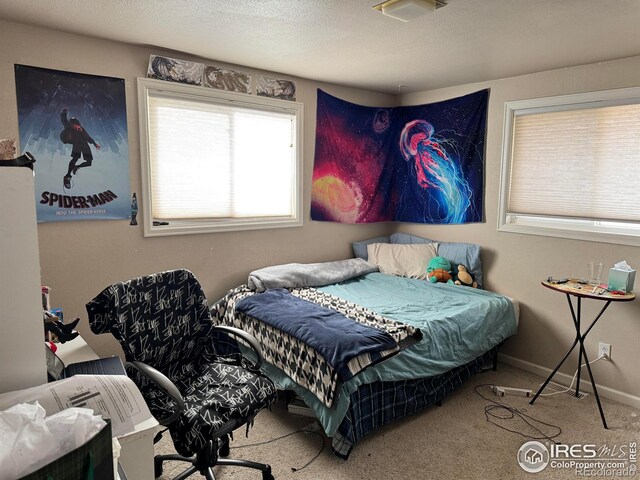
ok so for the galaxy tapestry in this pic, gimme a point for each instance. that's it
(419, 164)
(75, 125)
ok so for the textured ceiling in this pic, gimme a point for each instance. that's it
(349, 43)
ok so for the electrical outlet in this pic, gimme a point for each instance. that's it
(604, 349)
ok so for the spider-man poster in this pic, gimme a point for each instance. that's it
(421, 164)
(75, 125)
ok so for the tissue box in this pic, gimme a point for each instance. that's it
(93, 460)
(621, 279)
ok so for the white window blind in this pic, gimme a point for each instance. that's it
(228, 160)
(210, 160)
(582, 163)
(570, 167)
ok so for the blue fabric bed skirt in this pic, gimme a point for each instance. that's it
(374, 405)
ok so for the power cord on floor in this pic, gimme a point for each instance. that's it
(497, 410)
(300, 430)
(503, 411)
(501, 390)
(574, 378)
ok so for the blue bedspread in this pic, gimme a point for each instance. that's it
(337, 338)
(458, 324)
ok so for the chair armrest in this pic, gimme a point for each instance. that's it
(166, 385)
(248, 338)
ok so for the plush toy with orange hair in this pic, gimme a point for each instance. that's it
(439, 270)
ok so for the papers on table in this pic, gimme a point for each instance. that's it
(113, 396)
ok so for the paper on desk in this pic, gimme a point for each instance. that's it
(112, 396)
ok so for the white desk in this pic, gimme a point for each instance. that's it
(136, 456)
(75, 351)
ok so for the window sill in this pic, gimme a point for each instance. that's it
(574, 234)
(192, 227)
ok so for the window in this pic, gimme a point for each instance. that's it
(218, 161)
(570, 167)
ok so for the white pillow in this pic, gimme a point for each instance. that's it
(403, 260)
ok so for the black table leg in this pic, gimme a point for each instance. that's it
(581, 353)
(584, 352)
(546, 382)
(595, 393)
(576, 321)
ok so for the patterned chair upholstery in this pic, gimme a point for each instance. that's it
(190, 372)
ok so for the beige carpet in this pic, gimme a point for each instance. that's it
(450, 442)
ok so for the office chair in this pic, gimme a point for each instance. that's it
(189, 371)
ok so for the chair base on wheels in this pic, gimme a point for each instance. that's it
(208, 458)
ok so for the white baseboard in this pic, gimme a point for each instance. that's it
(563, 378)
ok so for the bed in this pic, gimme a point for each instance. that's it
(442, 335)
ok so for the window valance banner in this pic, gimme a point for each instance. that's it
(419, 164)
(75, 125)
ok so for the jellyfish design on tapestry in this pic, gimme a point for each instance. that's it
(436, 171)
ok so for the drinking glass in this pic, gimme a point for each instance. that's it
(595, 272)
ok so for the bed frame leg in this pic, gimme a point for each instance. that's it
(495, 359)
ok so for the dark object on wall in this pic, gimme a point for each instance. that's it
(63, 331)
(65, 188)
(174, 70)
(419, 163)
(276, 88)
(134, 210)
(227, 79)
(26, 160)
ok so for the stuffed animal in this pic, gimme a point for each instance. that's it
(439, 270)
(463, 277)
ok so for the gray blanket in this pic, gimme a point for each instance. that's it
(294, 275)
